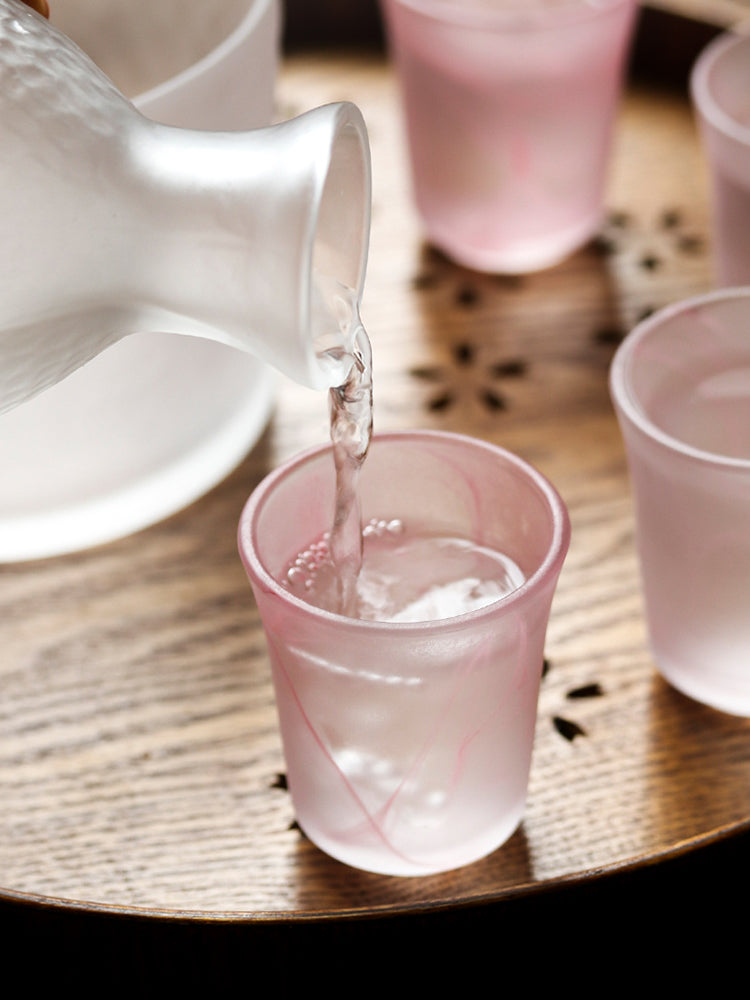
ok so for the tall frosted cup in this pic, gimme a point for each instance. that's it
(720, 84)
(408, 741)
(681, 386)
(510, 107)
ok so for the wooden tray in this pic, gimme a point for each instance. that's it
(140, 764)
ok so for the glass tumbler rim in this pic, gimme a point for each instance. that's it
(548, 569)
(626, 398)
(702, 91)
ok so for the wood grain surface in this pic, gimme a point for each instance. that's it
(140, 764)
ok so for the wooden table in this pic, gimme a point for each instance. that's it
(140, 764)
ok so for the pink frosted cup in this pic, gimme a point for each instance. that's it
(681, 386)
(720, 84)
(510, 107)
(408, 746)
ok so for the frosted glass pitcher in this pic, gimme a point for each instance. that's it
(116, 224)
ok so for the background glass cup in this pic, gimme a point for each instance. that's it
(680, 382)
(720, 87)
(408, 746)
(510, 107)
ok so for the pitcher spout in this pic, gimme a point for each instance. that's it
(259, 239)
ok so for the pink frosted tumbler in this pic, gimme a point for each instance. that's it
(681, 385)
(720, 84)
(509, 107)
(408, 743)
